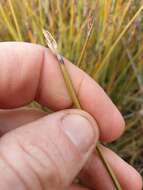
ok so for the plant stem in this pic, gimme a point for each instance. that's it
(72, 93)
(103, 63)
(4, 16)
(15, 20)
(85, 45)
(76, 102)
(108, 168)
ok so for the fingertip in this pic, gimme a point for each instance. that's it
(128, 175)
(116, 127)
(140, 183)
(136, 179)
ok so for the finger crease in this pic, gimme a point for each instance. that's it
(15, 171)
(35, 173)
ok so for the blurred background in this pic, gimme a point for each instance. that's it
(104, 38)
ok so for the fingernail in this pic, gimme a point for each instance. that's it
(80, 131)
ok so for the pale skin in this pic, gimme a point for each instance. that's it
(43, 152)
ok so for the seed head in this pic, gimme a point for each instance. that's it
(51, 42)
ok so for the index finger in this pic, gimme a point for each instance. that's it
(30, 72)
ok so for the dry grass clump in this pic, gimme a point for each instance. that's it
(112, 52)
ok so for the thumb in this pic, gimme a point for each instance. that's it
(48, 153)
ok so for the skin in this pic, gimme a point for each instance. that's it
(36, 151)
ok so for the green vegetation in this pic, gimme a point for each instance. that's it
(111, 51)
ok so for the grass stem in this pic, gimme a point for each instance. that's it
(100, 68)
(72, 93)
(76, 102)
(85, 45)
(15, 20)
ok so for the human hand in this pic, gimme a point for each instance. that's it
(40, 151)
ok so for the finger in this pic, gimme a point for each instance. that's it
(96, 177)
(11, 119)
(47, 153)
(39, 77)
(77, 187)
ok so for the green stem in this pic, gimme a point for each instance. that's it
(15, 21)
(85, 45)
(103, 63)
(7, 22)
